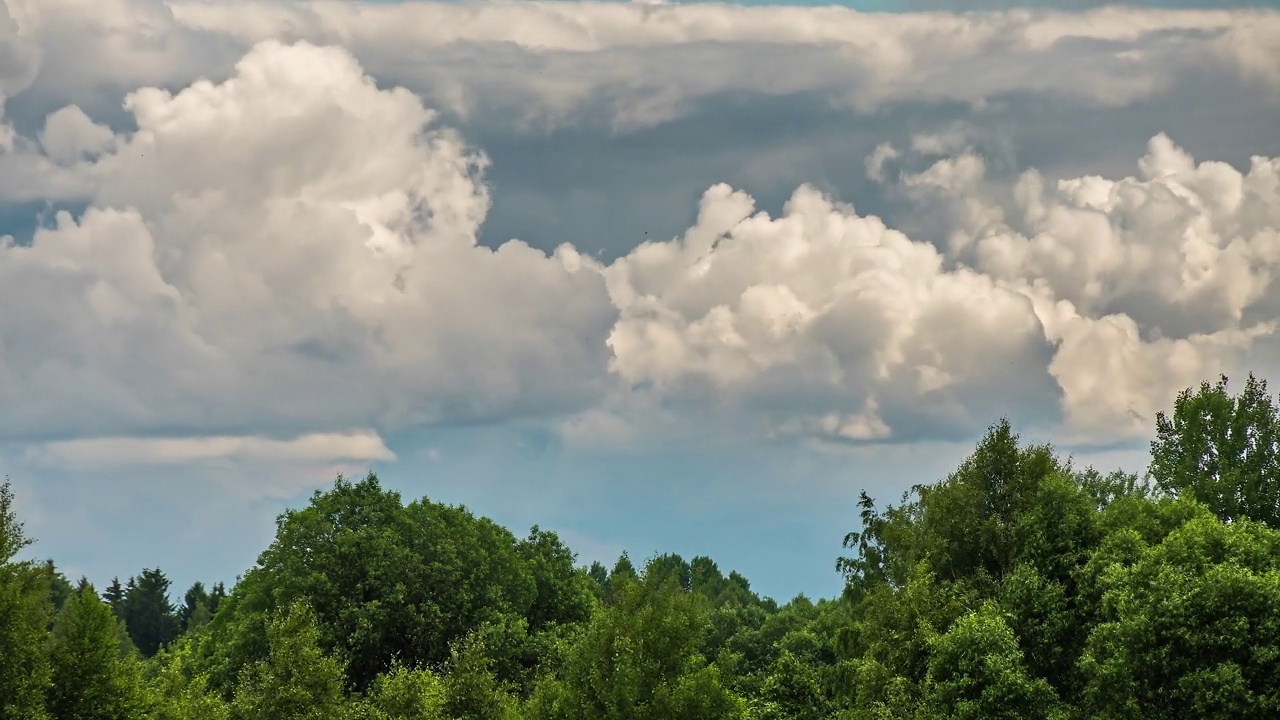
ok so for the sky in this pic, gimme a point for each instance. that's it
(661, 278)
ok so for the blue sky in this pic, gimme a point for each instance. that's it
(675, 279)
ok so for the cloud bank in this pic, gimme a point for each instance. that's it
(274, 233)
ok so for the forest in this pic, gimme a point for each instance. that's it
(1018, 586)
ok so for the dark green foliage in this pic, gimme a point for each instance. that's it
(148, 614)
(563, 592)
(793, 689)
(1222, 450)
(599, 575)
(389, 581)
(114, 596)
(1055, 538)
(60, 588)
(968, 519)
(196, 607)
(623, 573)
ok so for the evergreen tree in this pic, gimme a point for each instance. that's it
(59, 587)
(114, 596)
(195, 609)
(216, 596)
(148, 614)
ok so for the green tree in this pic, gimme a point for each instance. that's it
(1054, 540)
(59, 587)
(795, 689)
(114, 596)
(1222, 450)
(385, 581)
(92, 678)
(180, 693)
(976, 673)
(404, 693)
(599, 575)
(1191, 624)
(197, 607)
(471, 691)
(963, 526)
(297, 680)
(148, 614)
(563, 591)
(638, 658)
(25, 612)
(623, 573)
(968, 519)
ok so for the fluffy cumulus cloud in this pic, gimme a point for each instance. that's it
(1146, 283)
(1123, 290)
(832, 320)
(272, 239)
(289, 250)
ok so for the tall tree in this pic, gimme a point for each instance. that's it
(623, 572)
(59, 587)
(114, 595)
(1222, 450)
(148, 613)
(216, 596)
(92, 679)
(25, 612)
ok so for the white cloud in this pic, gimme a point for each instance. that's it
(293, 248)
(70, 136)
(276, 243)
(822, 313)
(1124, 291)
(318, 447)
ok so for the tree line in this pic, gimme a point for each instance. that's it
(1018, 586)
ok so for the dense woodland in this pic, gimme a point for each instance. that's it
(1017, 587)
